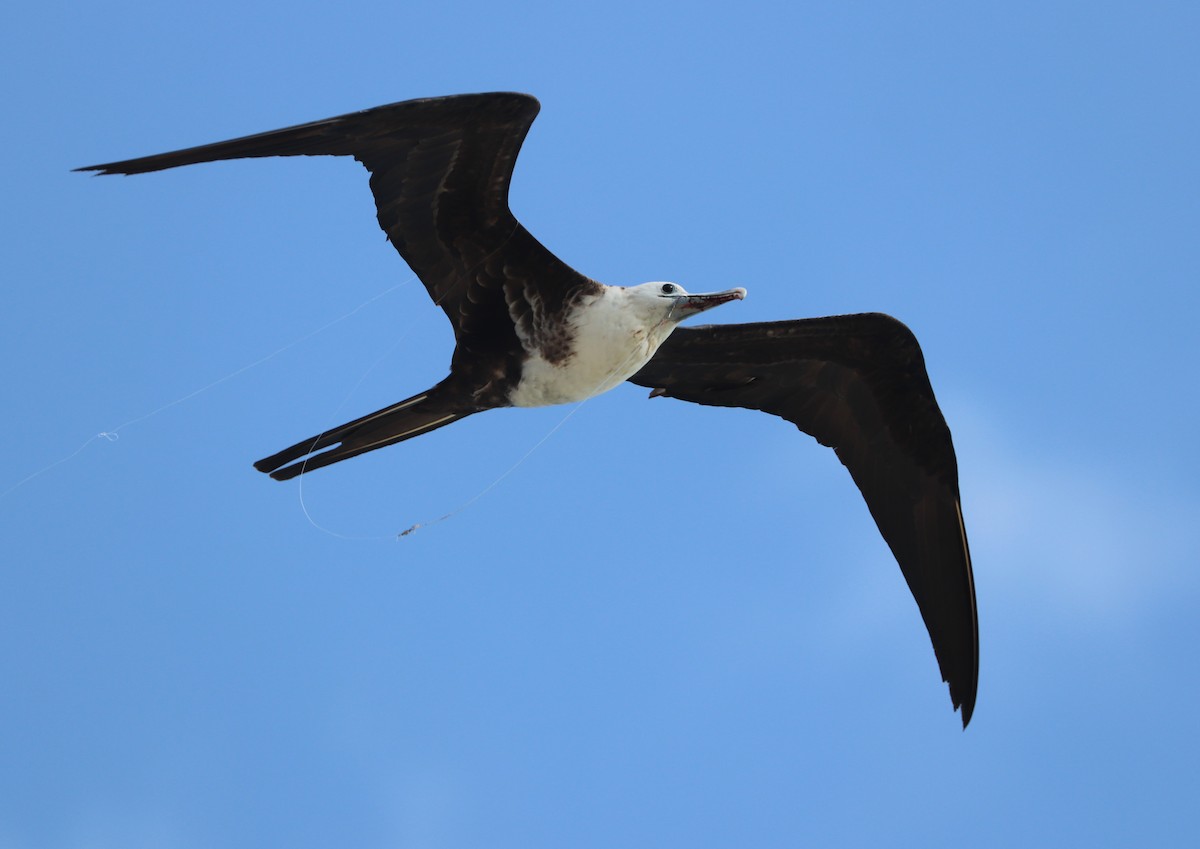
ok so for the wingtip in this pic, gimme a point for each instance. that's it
(965, 707)
(99, 171)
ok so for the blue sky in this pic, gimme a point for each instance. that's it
(668, 625)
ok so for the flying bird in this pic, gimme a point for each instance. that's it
(531, 331)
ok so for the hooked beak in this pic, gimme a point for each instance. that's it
(689, 305)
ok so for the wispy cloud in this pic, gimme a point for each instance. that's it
(1084, 541)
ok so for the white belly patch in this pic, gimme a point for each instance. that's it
(608, 346)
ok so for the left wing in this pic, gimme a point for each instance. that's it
(858, 384)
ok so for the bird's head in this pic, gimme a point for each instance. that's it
(671, 303)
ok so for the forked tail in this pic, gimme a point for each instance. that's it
(403, 420)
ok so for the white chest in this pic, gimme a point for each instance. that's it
(611, 342)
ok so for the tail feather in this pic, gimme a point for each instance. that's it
(403, 420)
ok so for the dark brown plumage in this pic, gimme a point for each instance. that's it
(440, 172)
(857, 383)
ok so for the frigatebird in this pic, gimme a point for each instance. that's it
(531, 331)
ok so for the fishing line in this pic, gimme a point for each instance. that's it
(614, 371)
(114, 434)
(496, 482)
(317, 438)
(437, 302)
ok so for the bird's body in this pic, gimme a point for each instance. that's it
(531, 331)
(604, 339)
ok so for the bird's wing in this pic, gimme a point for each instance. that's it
(858, 384)
(440, 173)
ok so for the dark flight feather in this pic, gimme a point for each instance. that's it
(858, 384)
(440, 174)
(440, 171)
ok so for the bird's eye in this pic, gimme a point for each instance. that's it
(668, 289)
